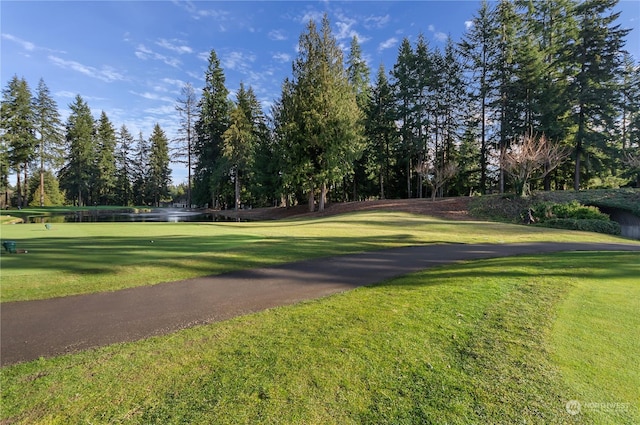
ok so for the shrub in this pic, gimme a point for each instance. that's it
(588, 225)
(578, 211)
(544, 211)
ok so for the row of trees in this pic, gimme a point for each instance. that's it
(536, 95)
(95, 163)
(546, 84)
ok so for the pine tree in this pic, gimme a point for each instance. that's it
(258, 174)
(358, 76)
(238, 148)
(105, 167)
(478, 48)
(404, 75)
(426, 108)
(75, 176)
(187, 108)
(553, 27)
(382, 135)
(449, 93)
(17, 124)
(503, 77)
(159, 173)
(52, 194)
(124, 170)
(141, 167)
(327, 113)
(211, 169)
(596, 56)
(48, 128)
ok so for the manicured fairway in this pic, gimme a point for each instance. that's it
(495, 341)
(93, 257)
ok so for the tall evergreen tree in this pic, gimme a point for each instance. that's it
(597, 60)
(327, 114)
(17, 123)
(478, 48)
(105, 166)
(159, 173)
(449, 95)
(124, 169)
(187, 107)
(553, 25)
(258, 175)
(358, 76)
(75, 176)
(211, 169)
(238, 148)
(141, 166)
(382, 135)
(426, 82)
(503, 78)
(404, 75)
(49, 132)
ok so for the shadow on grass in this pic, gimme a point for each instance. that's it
(100, 255)
(577, 265)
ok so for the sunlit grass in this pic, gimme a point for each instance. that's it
(75, 258)
(492, 341)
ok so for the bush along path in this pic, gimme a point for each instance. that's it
(45, 328)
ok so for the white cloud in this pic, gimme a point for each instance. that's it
(197, 13)
(181, 49)
(174, 82)
(277, 35)
(237, 61)
(345, 29)
(376, 21)
(142, 52)
(65, 93)
(387, 44)
(153, 96)
(107, 74)
(468, 24)
(282, 57)
(161, 110)
(438, 35)
(311, 15)
(26, 45)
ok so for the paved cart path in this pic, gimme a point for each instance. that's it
(45, 328)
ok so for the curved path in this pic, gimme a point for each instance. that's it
(44, 328)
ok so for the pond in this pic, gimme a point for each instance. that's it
(170, 215)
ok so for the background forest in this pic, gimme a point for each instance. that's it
(537, 95)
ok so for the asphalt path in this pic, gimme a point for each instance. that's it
(45, 328)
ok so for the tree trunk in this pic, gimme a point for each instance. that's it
(311, 202)
(323, 196)
(409, 179)
(237, 191)
(19, 190)
(41, 173)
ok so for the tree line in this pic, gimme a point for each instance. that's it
(536, 95)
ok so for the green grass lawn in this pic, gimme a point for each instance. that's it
(75, 258)
(499, 341)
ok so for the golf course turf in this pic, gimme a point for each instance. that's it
(491, 341)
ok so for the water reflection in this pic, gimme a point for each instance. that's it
(155, 215)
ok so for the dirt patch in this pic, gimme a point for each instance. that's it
(447, 208)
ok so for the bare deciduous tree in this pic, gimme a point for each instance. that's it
(436, 175)
(531, 158)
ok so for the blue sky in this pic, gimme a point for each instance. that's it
(130, 58)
